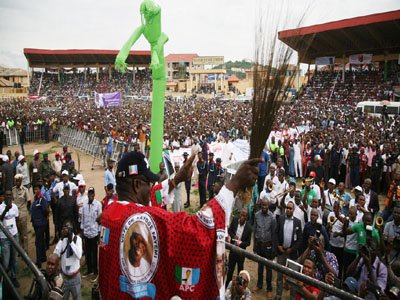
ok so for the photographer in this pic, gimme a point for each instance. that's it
(327, 267)
(367, 274)
(391, 237)
(69, 249)
(238, 287)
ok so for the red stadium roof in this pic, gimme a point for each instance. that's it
(377, 34)
(81, 57)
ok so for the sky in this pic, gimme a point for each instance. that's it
(206, 27)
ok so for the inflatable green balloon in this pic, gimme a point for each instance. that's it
(151, 29)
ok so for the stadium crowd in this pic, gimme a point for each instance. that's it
(345, 238)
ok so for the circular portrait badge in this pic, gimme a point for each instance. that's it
(139, 248)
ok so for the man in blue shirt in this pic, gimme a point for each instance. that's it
(39, 212)
(262, 171)
(109, 176)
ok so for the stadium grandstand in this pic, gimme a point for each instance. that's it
(78, 73)
(360, 57)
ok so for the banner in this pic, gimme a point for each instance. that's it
(360, 59)
(107, 99)
(325, 60)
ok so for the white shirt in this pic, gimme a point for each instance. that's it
(336, 227)
(23, 169)
(239, 231)
(275, 180)
(280, 187)
(81, 199)
(90, 212)
(288, 232)
(297, 152)
(9, 220)
(59, 188)
(299, 214)
(56, 165)
(367, 198)
(329, 199)
(69, 265)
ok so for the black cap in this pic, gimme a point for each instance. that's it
(110, 187)
(91, 190)
(218, 159)
(133, 163)
(211, 154)
(185, 154)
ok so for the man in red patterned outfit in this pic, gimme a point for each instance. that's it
(148, 252)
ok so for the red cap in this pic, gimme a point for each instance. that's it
(313, 174)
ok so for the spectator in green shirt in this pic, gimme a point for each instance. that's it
(307, 193)
(361, 230)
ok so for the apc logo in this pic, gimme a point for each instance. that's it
(187, 278)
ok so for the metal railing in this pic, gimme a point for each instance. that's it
(90, 143)
(39, 277)
(322, 286)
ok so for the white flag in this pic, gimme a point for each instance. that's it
(360, 59)
(98, 100)
(325, 60)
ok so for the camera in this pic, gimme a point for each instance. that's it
(396, 242)
(316, 238)
(239, 280)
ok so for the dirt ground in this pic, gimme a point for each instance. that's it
(94, 178)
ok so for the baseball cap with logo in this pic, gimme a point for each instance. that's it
(133, 164)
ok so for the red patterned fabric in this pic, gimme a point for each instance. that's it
(184, 241)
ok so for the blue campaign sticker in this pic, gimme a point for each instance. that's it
(138, 290)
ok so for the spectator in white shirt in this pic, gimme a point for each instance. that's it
(281, 186)
(8, 216)
(271, 176)
(297, 159)
(22, 168)
(69, 249)
(59, 188)
(90, 229)
(57, 164)
(81, 198)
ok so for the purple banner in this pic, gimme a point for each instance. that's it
(112, 99)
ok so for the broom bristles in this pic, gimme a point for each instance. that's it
(271, 84)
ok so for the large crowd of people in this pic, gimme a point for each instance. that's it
(331, 221)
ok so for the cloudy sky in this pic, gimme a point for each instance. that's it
(205, 27)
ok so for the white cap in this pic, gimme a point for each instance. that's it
(5, 158)
(78, 177)
(21, 157)
(81, 183)
(358, 188)
(332, 180)
(65, 172)
(36, 151)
